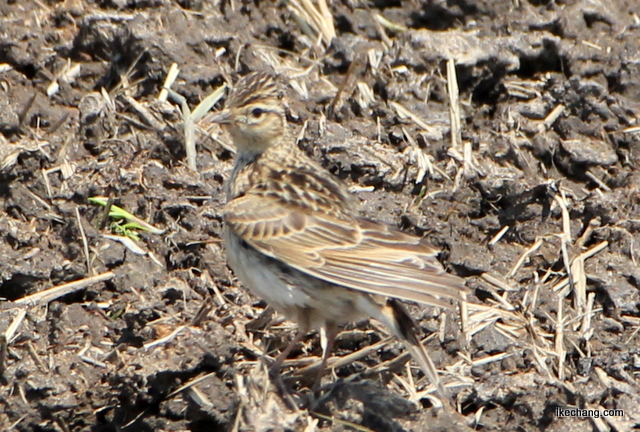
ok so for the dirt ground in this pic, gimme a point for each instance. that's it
(534, 200)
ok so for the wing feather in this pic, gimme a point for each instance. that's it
(353, 252)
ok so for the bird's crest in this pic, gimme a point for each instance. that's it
(254, 87)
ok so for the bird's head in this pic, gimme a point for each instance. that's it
(254, 113)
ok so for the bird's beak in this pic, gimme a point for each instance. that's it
(223, 117)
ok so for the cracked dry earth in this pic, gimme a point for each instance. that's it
(534, 200)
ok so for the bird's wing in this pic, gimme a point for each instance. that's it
(356, 253)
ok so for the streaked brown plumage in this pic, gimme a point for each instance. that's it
(293, 237)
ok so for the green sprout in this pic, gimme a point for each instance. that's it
(132, 224)
(126, 229)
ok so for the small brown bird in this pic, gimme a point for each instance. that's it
(293, 236)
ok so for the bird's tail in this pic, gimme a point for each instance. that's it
(406, 329)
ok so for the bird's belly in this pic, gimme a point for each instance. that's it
(298, 296)
(262, 279)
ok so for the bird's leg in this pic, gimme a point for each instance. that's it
(328, 334)
(275, 367)
(274, 370)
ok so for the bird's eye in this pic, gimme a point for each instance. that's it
(257, 112)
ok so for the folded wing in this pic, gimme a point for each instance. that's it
(353, 252)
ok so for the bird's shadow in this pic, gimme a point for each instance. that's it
(364, 403)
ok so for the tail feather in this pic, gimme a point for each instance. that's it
(407, 330)
(422, 357)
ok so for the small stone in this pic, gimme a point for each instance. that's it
(612, 325)
(589, 151)
(584, 366)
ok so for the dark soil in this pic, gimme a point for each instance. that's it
(555, 303)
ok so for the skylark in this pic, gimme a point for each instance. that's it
(293, 236)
